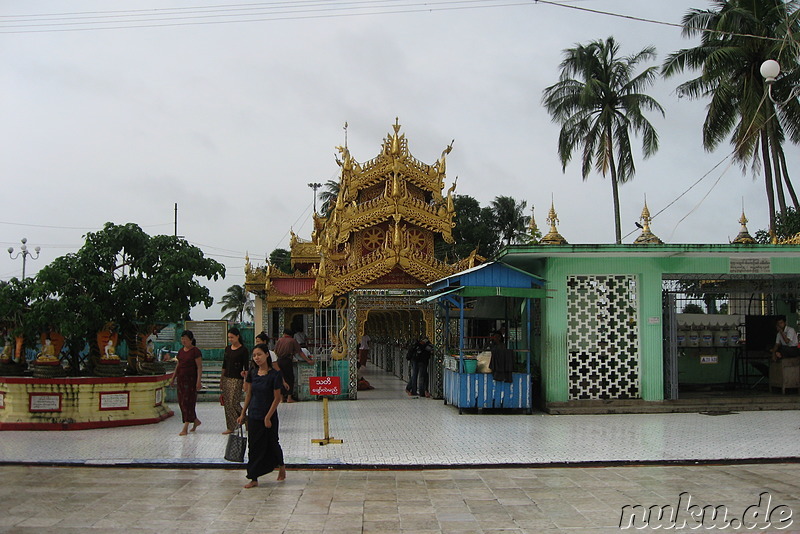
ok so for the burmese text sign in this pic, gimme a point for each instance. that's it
(324, 385)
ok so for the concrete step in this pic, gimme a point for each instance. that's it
(700, 404)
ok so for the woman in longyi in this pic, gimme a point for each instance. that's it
(261, 408)
(188, 373)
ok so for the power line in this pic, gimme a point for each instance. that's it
(273, 11)
(263, 16)
(61, 227)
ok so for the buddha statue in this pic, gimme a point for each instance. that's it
(48, 353)
(109, 352)
(6, 355)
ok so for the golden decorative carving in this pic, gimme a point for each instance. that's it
(339, 351)
(553, 237)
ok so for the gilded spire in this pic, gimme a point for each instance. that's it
(647, 237)
(553, 237)
(744, 237)
(534, 230)
(396, 137)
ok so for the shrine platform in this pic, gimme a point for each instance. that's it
(82, 403)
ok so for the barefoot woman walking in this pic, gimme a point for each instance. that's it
(188, 373)
(261, 406)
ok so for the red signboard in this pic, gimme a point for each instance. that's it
(324, 385)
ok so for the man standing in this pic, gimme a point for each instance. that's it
(363, 350)
(286, 348)
(419, 355)
(785, 341)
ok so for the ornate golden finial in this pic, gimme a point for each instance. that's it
(744, 237)
(553, 237)
(534, 230)
(647, 237)
(247, 266)
(395, 150)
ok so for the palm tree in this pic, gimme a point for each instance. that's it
(238, 301)
(509, 218)
(328, 197)
(598, 111)
(736, 37)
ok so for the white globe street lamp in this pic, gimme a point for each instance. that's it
(770, 70)
(25, 253)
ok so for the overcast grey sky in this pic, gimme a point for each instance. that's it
(232, 121)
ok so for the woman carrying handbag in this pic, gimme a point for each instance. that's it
(261, 407)
(234, 369)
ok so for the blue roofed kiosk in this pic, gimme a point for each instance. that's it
(468, 292)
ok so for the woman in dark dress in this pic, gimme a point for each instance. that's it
(234, 369)
(261, 406)
(188, 373)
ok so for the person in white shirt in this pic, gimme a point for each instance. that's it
(301, 338)
(785, 341)
(363, 350)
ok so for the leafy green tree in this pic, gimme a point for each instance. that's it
(787, 225)
(736, 37)
(473, 229)
(238, 301)
(328, 197)
(16, 319)
(693, 308)
(282, 259)
(510, 220)
(598, 102)
(123, 276)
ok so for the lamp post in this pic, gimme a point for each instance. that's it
(770, 70)
(25, 253)
(315, 186)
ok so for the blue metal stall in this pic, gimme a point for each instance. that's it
(465, 387)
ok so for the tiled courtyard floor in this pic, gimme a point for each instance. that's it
(406, 465)
(62, 500)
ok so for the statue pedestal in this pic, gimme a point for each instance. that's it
(80, 403)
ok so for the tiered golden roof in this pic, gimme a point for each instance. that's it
(303, 252)
(647, 237)
(380, 230)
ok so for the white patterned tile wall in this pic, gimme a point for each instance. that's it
(603, 337)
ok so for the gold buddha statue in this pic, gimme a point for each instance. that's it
(48, 353)
(109, 352)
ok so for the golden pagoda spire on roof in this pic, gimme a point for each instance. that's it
(533, 230)
(553, 237)
(647, 237)
(744, 237)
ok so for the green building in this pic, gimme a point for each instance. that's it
(612, 334)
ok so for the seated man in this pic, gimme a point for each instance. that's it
(785, 341)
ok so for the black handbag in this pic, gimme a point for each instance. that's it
(234, 451)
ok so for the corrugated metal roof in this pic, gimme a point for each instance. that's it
(491, 274)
